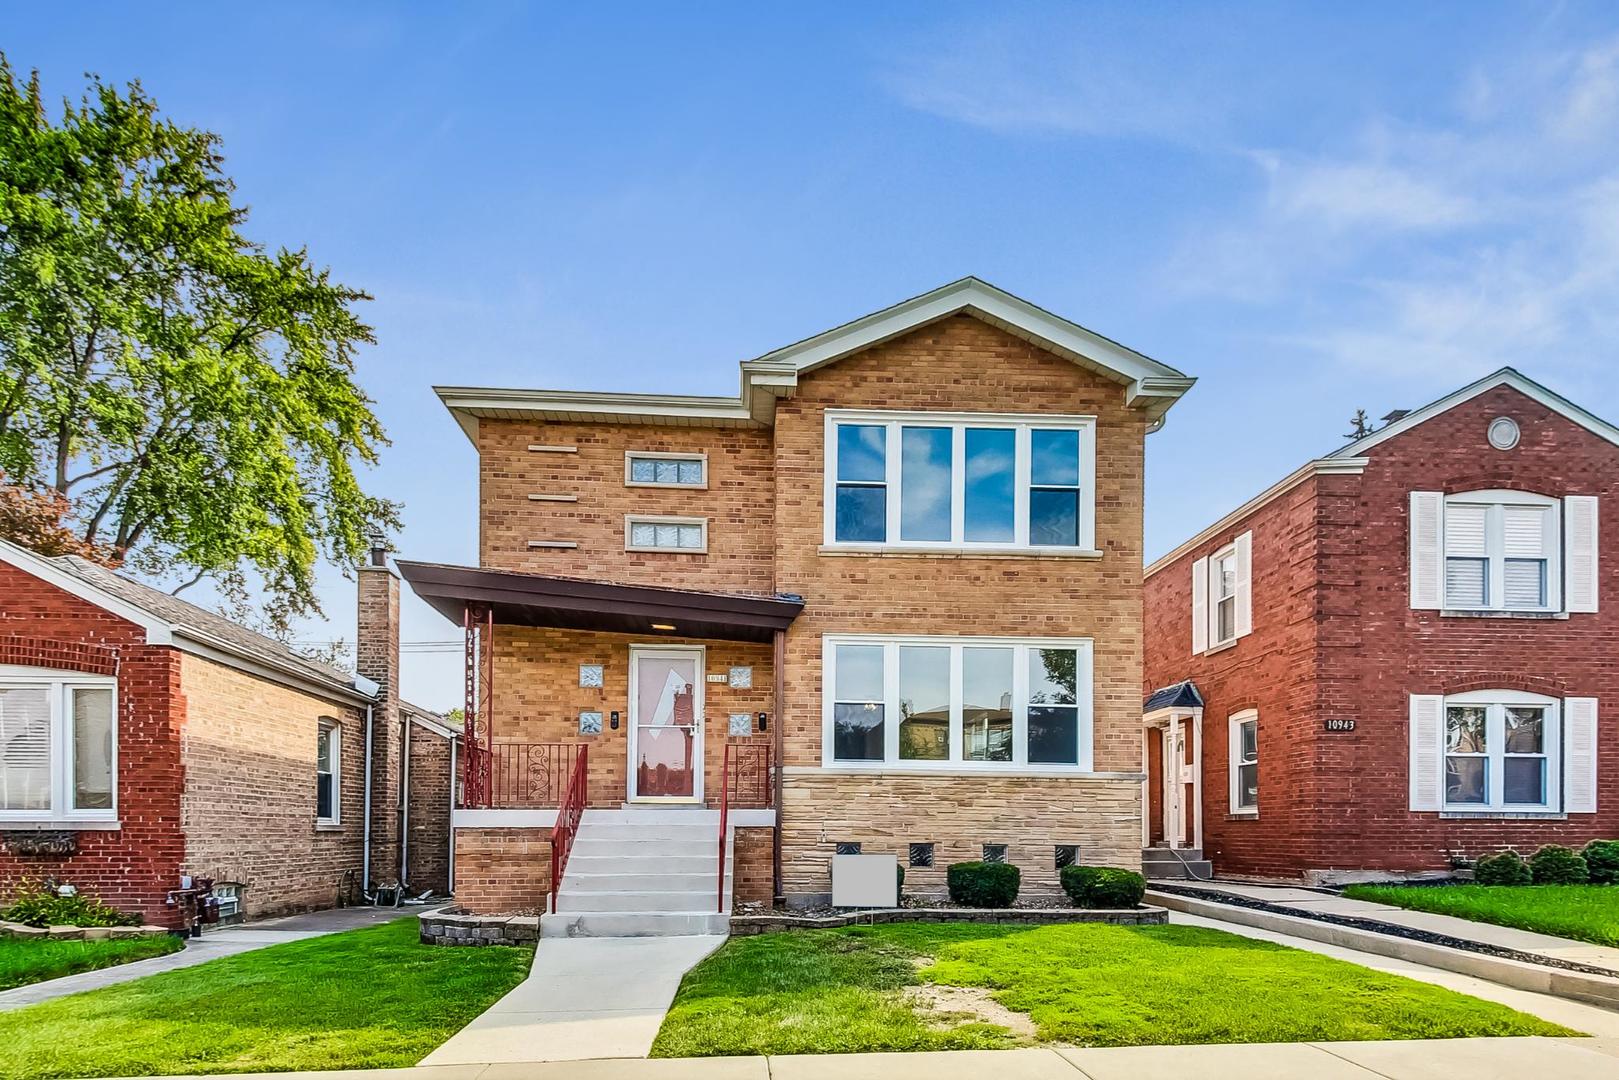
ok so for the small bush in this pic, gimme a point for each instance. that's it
(38, 903)
(1103, 886)
(1502, 868)
(1602, 861)
(983, 884)
(1555, 864)
(900, 889)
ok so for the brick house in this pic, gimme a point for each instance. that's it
(886, 600)
(1394, 657)
(144, 740)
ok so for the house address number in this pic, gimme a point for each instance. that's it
(1333, 724)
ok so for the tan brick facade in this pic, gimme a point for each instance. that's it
(502, 869)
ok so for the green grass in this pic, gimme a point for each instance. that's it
(842, 991)
(1582, 912)
(32, 960)
(368, 998)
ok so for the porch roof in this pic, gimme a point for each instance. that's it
(1182, 695)
(522, 599)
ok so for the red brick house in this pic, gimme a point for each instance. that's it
(885, 601)
(1396, 657)
(145, 740)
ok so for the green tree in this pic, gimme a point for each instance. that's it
(189, 393)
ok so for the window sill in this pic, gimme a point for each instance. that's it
(328, 826)
(1502, 815)
(957, 551)
(61, 825)
(1243, 815)
(1222, 647)
(1467, 613)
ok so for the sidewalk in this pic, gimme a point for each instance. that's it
(211, 946)
(1475, 1059)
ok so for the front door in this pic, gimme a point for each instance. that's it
(666, 724)
(1174, 792)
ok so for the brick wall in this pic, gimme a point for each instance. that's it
(248, 811)
(428, 853)
(751, 870)
(502, 870)
(134, 866)
(376, 658)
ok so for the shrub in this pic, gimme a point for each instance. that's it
(39, 903)
(900, 889)
(983, 884)
(1602, 861)
(1103, 886)
(1502, 868)
(1555, 864)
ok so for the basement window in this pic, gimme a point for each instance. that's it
(848, 847)
(994, 852)
(921, 855)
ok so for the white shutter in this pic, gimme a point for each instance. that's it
(1580, 755)
(1200, 606)
(1427, 554)
(1245, 581)
(1427, 766)
(1580, 566)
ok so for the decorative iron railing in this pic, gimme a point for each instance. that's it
(530, 774)
(570, 812)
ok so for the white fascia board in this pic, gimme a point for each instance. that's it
(467, 404)
(1504, 377)
(1319, 467)
(158, 631)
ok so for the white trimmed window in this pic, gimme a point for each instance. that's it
(1222, 595)
(1502, 751)
(649, 468)
(1009, 704)
(1245, 762)
(1503, 551)
(656, 533)
(328, 774)
(58, 746)
(941, 481)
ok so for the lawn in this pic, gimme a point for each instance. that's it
(32, 960)
(1583, 912)
(368, 998)
(958, 986)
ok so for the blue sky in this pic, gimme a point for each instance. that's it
(1312, 208)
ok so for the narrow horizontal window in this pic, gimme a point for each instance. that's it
(848, 847)
(666, 470)
(666, 534)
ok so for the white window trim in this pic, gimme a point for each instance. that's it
(664, 455)
(1020, 765)
(336, 732)
(631, 520)
(1021, 423)
(1234, 725)
(1206, 595)
(1495, 557)
(1495, 742)
(60, 685)
(1215, 640)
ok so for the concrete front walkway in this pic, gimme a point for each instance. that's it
(1502, 937)
(584, 998)
(211, 946)
(1475, 1059)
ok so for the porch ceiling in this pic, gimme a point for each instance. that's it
(519, 599)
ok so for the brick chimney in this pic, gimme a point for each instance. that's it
(376, 657)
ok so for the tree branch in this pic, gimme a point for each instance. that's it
(182, 588)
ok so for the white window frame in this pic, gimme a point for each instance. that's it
(334, 732)
(1022, 425)
(1494, 502)
(1496, 702)
(1216, 599)
(59, 687)
(1236, 723)
(630, 457)
(631, 520)
(1020, 647)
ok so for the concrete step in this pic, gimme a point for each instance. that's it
(570, 899)
(679, 815)
(651, 830)
(633, 924)
(580, 862)
(1164, 854)
(1192, 870)
(654, 880)
(642, 851)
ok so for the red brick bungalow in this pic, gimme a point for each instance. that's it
(1397, 656)
(145, 740)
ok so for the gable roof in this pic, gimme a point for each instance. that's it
(1182, 695)
(1504, 377)
(169, 620)
(1147, 383)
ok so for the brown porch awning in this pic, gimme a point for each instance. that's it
(519, 599)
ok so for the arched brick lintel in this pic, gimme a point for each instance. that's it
(1498, 681)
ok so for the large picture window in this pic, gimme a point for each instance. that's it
(960, 481)
(973, 703)
(58, 747)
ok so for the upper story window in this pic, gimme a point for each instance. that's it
(1503, 551)
(934, 481)
(657, 533)
(1222, 595)
(648, 468)
(57, 746)
(973, 703)
(328, 759)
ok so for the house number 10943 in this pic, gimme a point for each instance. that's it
(1339, 725)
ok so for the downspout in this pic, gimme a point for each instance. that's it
(449, 875)
(404, 803)
(365, 870)
(779, 664)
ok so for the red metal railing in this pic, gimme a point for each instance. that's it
(569, 813)
(531, 774)
(752, 781)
